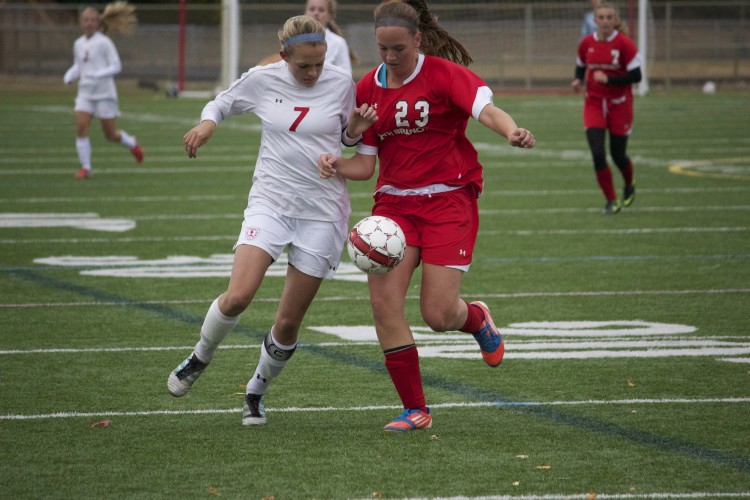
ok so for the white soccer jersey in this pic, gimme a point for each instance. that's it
(299, 124)
(337, 52)
(95, 63)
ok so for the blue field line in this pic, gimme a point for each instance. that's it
(100, 295)
(346, 358)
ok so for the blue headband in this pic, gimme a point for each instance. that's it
(305, 37)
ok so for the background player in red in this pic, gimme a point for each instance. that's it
(611, 63)
(429, 180)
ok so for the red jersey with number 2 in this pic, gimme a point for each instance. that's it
(615, 57)
(420, 134)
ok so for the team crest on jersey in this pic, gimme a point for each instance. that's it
(251, 233)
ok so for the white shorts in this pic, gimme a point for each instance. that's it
(100, 108)
(314, 247)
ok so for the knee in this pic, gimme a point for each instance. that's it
(622, 161)
(234, 304)
(438, 320)
(112, 136)
(285, 328)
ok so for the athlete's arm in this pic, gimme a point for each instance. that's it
(577, 83)
(359, 121)
(198, 136)
(632, 76)
(359, 167)
(502, 123)
(72, 74)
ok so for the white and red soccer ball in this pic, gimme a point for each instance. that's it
(376, 244)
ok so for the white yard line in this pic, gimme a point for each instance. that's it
(332, 409)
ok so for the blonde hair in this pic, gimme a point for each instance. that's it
(436, 41)
(619, 25)
(118, 17)
(300, 25)
(332, 6)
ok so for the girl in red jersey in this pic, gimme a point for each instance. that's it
(429, 180)
(613, 64)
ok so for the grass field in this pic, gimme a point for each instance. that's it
(627, 372)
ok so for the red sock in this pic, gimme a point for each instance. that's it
(403, 367)
(627, 173)
(473, 320)
(604, 176)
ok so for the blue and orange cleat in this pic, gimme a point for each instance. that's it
(488, 337)
(411, 420)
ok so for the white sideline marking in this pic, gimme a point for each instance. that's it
(522, 295)
(296, 409)
(456, 343)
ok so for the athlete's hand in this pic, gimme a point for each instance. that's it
(198, 136)
(522, 138)
(361, 119)
(327, 165)
(576, 85)
(601, 77)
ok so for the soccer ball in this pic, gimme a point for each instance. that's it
(376, 244)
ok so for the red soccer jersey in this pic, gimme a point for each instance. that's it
(615, 56)
(421, 130)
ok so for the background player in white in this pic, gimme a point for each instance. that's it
(304, 105)
(95, 63)
(429, 179)
(338, 53)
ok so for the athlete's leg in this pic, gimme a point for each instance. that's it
(83, 143)
(444, 310)
(618, 145)
(114, 134)
(596, 139)
(279, 345)
(388, 299)
(249, 267)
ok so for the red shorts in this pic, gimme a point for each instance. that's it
(613, 114)
(443, 225)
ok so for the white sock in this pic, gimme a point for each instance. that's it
(127, 140)
(215, 327)
(269, 367)
(83, 146)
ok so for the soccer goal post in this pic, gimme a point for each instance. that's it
(230, 41)
(642, 41)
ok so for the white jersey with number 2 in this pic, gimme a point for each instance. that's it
(299, 124)
(95, 63)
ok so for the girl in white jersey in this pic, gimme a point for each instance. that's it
(95, 63)
(304, 105)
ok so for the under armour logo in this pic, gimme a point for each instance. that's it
(279, 100)
(462, 253)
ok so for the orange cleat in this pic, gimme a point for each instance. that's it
(489, 339)
(411, 420)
